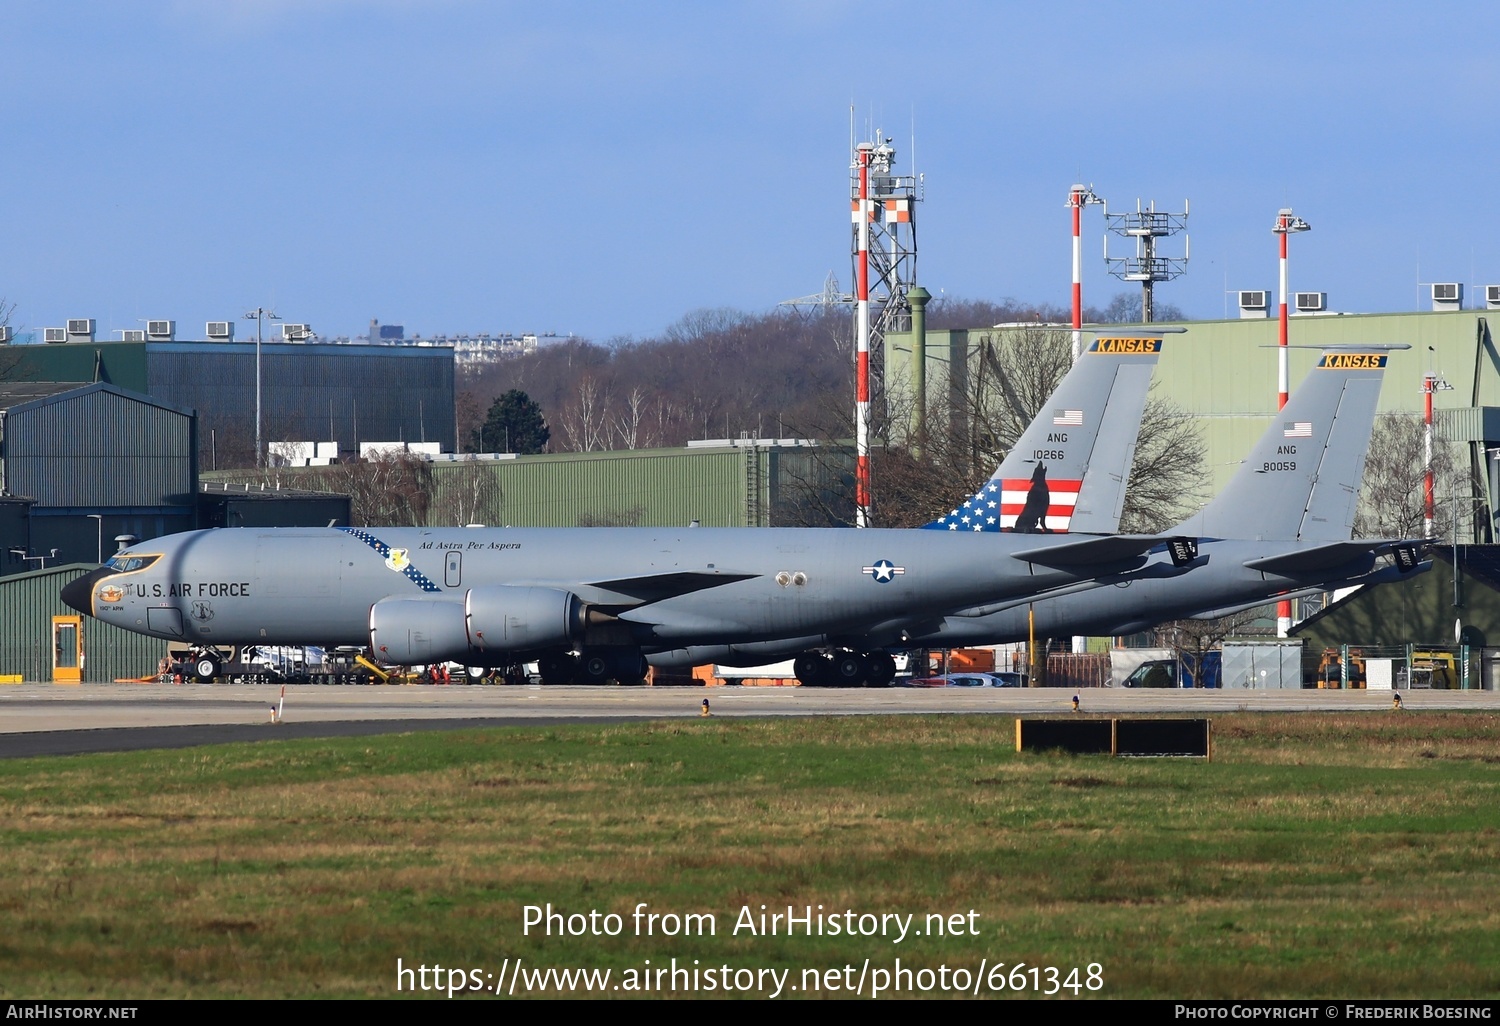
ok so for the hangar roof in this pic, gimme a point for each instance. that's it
(14, 393)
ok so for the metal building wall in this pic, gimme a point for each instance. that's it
(224, 509)
(649, 487)
(309, 392)
(728, 486)
(98, 447)
(27, 604)
(122, 364)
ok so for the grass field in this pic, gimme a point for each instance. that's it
(1339, 855)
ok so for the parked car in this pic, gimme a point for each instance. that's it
(924, 682)
(970, 680)
(1162, 673)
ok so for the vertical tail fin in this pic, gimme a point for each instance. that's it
(1069, 468)
(1301, 480)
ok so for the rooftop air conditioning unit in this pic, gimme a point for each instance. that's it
(7, 333)
(134, 335)
(295, 332)
(1253, 303)
(81, 326)
(54, 335)
(1447, 295)
(220, 329)
(1311, 302)
(1492, 297)
(163, 330)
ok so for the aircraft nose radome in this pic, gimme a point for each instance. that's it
(78, 593)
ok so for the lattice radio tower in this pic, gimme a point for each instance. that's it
(883, 207)
(1147, 266)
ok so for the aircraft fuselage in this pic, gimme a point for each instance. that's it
(665, 587)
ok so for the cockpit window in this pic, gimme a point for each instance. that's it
(125, 562)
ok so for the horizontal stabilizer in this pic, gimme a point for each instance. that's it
(1309, 562)
(1109, 549)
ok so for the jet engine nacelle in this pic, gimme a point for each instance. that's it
(404, 632)
(501, 618)
(491, 619)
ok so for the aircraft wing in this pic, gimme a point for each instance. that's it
(1108, 549)
(1152, 571)
(1381, 576)
(643, 589)
(1306, 562)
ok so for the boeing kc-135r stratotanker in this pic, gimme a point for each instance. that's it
(592, 604)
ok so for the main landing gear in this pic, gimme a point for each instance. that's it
(594, 666)
(844, 669)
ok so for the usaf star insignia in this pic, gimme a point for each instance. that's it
(884, 571)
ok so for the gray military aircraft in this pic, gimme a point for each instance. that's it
(591, 604)
(1281, 527)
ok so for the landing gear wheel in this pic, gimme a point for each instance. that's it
(631, 668)
(595, 668)
(813, 670)
(205, 669)
(850, 669)
(882, 671)
(475, 674)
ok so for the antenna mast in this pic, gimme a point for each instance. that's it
(1146, 226)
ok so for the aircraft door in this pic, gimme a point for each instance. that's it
(67, 649)
(164, 620)
(453, 569)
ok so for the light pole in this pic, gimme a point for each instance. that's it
(1078, 197)
(1285, 225)
(98, 519)
(1430, 383)
(258, 315)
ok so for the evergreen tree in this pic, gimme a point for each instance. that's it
(514, 424)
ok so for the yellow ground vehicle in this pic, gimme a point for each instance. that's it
(1330, 672)
(1434, 670)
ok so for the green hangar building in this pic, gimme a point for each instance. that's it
(310, 391)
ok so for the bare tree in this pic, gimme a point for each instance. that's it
(223, 444)
(1391, 502)
(619, 518)
(1166, 482)
(467, 493)
(389, 489)
(631, 423)
(1192, 640)
(585, 420)
(973, 422)
(467, 417)
(1126, 308)
(11, 357)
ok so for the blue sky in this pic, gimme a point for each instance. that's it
(603, 168)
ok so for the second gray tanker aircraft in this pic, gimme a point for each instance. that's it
(591, 604)
(1283, 526)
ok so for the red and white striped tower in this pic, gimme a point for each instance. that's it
(862, 214)
(1078, 197)
(1285, 225)
(1429, 385)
